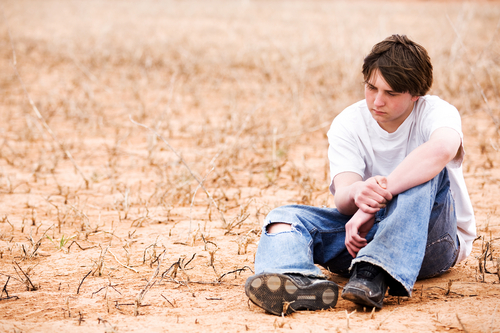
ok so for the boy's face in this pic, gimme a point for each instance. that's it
(388, 108)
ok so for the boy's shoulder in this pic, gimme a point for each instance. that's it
(432, 101)
(433, 106)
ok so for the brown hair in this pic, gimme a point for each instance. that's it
(404, 64)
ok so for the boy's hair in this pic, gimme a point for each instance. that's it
(404, 64)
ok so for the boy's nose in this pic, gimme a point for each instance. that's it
(378, 100)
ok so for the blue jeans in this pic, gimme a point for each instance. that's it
(415, 236)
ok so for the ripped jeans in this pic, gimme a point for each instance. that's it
(415, 236)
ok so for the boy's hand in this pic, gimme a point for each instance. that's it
(356, 230)
(353, 194)
(371, 195)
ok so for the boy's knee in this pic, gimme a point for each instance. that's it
(276, 227)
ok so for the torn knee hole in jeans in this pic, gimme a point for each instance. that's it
(276, 227)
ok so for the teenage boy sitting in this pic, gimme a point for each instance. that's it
(403, 212)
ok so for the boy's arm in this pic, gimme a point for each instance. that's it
(352, 193)
(420, 166)
(426, 161)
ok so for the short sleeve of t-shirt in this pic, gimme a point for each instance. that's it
(345, 138)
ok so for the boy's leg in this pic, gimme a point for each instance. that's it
(316, 235)
(442, 247)
(284, 263)
(416, 237)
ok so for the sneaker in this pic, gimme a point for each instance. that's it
(287, 293)
(367, 285)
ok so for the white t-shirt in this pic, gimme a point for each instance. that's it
(358, 144)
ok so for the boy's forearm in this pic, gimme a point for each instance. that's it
(424, 163)
(353, 193)
(344, 200)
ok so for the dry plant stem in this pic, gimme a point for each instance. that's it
(192, 204)
(185, 164)
(4, 290)
(111, 329)
(239, 270)
(81, 248)
(29, 285)
(461, 324)
(142, 293)
(347, 318)
(78, 290)
(387, 317)
(156, 259)
(168, 301)
(450, 282)
(80, 318)
(37, 113)
(36, 245)
(67, 307)
(118, 261)
(100, 260)
(372, 314)
(106, 293)
(278, 324)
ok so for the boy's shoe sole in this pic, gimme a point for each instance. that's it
(359, 296)
(283, 293)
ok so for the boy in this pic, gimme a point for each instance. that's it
(403, 211)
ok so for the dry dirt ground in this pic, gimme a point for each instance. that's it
(110, 226)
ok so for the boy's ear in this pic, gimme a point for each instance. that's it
(414, 98)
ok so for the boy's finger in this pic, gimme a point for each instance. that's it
(351, 252)
(356, 242)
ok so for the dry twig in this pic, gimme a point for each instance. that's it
(4, 290)
(461, 324)
(26, 280)
(149, 285)
(387, 317)
(118, 261)
(78, 290)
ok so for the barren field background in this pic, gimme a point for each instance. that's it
(143, 142)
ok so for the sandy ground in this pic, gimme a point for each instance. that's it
(103, 226)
